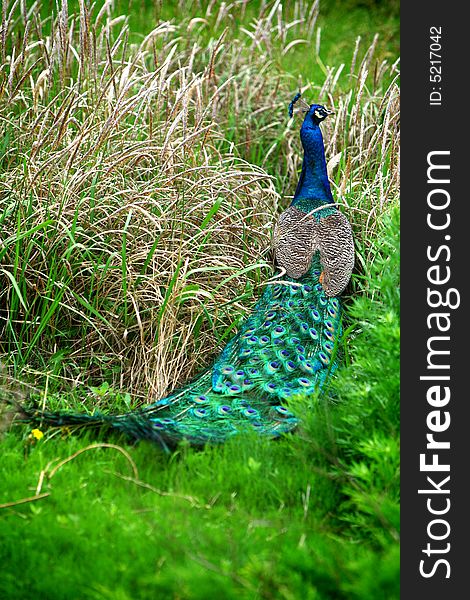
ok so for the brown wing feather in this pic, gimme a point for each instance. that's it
(294, 242)
(336, 245)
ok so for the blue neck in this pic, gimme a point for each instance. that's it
(313, 182)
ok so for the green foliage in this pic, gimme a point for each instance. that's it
(368, 437)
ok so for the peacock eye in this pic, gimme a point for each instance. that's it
(318, 114)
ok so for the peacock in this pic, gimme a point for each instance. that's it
(288, 344)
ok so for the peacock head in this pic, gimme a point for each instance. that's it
(318, 113)
(315, 112)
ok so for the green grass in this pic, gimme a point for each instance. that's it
(314, 515)
(138, 185)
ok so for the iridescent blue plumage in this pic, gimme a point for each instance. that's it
(285, 348)
(313, 183)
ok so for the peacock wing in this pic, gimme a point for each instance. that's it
(294, 241)
(334, 239)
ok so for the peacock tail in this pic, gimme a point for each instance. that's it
(286, 347)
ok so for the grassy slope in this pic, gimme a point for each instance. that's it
(315, 515)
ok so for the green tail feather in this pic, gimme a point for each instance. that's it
(286, 347)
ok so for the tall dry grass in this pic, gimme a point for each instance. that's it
(140, 181)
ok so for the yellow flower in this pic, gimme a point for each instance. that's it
(37, 434)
